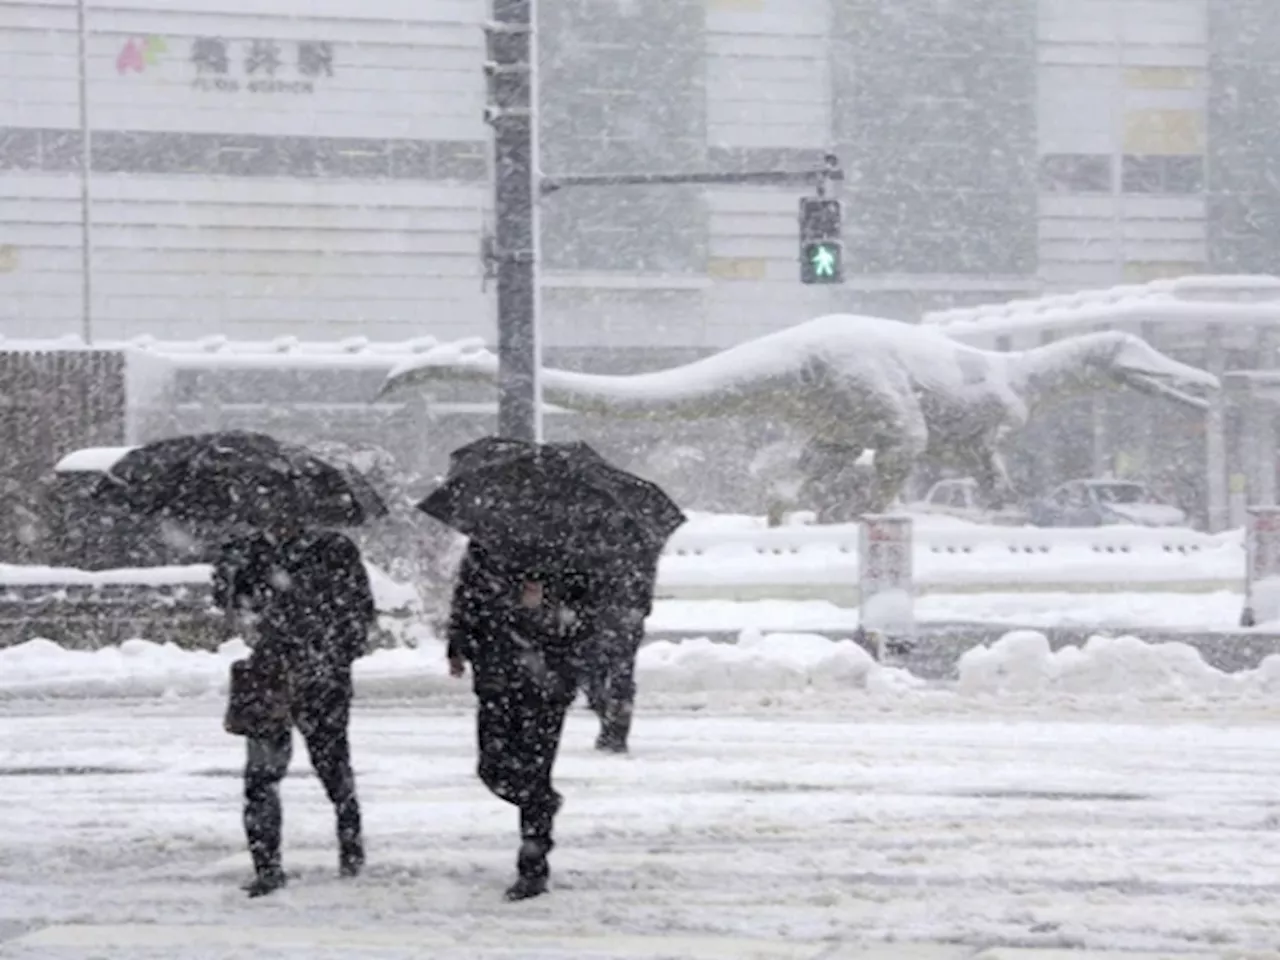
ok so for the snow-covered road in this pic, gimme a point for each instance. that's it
(768, 831)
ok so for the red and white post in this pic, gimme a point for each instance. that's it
(1262, 566)
(886, 597)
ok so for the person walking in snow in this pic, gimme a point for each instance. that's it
(520, 629)
(310, 596)
(620, 600)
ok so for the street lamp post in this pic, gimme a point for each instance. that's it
(86, 173)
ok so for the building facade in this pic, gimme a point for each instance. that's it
(318, 168)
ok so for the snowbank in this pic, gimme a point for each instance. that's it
(766, 662)
(1017, 667)
(1022, 663)
(141, 669)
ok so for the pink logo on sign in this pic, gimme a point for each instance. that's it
(138, 53)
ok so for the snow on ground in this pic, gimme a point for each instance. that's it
(786, 795)
(1220, 609)
(803, 670)
(802, 829)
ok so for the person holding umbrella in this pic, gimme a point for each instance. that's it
(540, 517)
(516, 624)
(306, 588)
(309, 595)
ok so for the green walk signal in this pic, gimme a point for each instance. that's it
(822, 262)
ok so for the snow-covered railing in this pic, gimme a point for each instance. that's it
(1207, 299)
(822, 561)
(959, 541)
(220, 351)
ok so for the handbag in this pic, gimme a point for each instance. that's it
(257, 700)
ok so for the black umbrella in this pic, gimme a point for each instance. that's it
(556, 505)
(238, 477)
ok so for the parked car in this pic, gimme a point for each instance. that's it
(962, 498)
(1099, 502)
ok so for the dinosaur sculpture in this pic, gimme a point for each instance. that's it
(858, 383)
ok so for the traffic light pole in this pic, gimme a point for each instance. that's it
(509, 39)
(820, 178)
(512, 255)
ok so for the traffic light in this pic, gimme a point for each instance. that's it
(822, 262)
(821, 249)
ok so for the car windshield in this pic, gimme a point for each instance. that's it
(1121, 493)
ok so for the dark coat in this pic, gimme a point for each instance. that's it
(625, 588)
(310, 593)
(508, 646)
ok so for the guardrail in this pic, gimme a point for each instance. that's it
(709, 540)
(822, 562)
(92, 610)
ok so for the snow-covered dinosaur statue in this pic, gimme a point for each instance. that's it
(859, 383)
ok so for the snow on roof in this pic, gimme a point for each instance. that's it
(91, 460)
(1198, 299)
(281, 352)
(1202, 299)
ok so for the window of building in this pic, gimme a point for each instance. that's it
(1075, 173)
(1173, 175)
(1184, 174)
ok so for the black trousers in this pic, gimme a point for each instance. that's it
(321, 711)
(611, 667)
(518, 730)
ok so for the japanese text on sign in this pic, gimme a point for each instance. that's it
(259, 66)
(885, 574)
(1262, 566)
(888, 554)
(1264, 543)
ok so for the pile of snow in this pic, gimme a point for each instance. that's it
(140, 669)
(1018, 666)
(1022, 663)
(773, 662)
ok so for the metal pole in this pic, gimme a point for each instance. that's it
(510, 70)
(820, 177)
(86, 168)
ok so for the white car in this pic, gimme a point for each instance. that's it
(1099, 502)
(961, 498)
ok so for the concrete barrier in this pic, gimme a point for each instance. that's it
(87, 611)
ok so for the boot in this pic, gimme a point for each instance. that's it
(263, 825)
(266, 882)
(351, 858)
(350, 844)
(533, 871)
(264, 848)
(615, 727)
